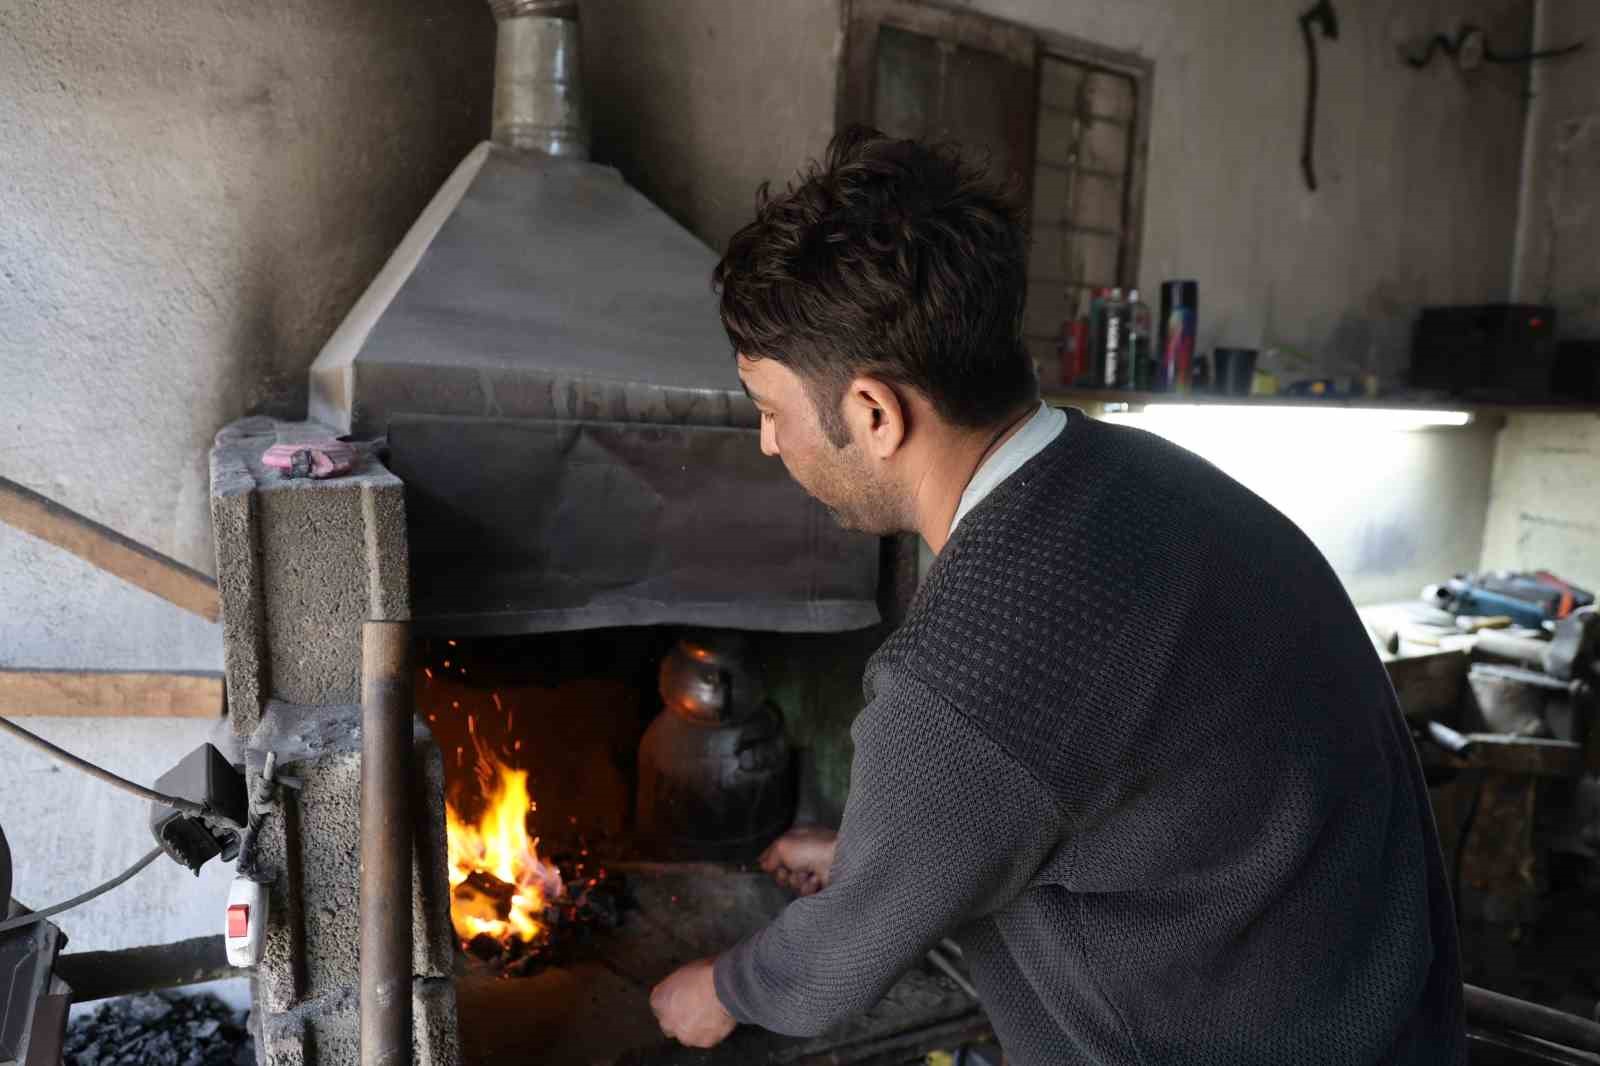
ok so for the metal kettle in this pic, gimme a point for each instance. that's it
(716, 775)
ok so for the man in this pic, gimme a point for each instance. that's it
(1131, 748)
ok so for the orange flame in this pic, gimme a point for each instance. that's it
(498, 845)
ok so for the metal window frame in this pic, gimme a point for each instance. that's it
(1023, 44)
(862, 20)
(1141, 72)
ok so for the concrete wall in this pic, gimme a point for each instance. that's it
(191, 196)
(1544, 510)
(1559, 226)
(699, 101)
(1419, 170)
(1544, 505)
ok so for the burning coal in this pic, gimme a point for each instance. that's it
(499, 886)
(512, 906)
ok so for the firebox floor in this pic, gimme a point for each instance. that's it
(594, 1007)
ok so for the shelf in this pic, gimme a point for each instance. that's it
(1082, 397)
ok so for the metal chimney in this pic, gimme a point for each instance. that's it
(538, 78)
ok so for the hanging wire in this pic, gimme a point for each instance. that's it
(99, 890)
(188, 806)
(1452, 46)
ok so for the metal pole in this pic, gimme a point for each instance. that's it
(386, 738)
(1488, 1008)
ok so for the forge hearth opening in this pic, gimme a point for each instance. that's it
(568, 754)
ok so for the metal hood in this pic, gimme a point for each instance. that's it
(544, 355)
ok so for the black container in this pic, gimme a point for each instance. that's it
(1235, 368)
(1576, 375)
(1502, 351)
(716, 777)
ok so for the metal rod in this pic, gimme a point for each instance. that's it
(1530, 1019)
(386, 739)
(936, 957)
(103, 974)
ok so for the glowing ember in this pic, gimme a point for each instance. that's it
(509, 887)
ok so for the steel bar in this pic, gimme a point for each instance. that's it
(937, 957)
(103, 974)
(1488, 1008)
(109, 550)
(386, 739)
(910, 1045)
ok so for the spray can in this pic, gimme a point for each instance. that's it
(1114, 342)
(1073, 346)
(1074, 350)
(1180, 319)
(1140, 357)
(1095, 352)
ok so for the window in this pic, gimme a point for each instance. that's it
(1064, 119)
(1087, 191)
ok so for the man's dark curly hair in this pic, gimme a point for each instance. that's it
(892, 258)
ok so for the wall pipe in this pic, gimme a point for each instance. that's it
(386, 744)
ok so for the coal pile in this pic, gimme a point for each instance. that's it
(160, 1029)
(589, 904)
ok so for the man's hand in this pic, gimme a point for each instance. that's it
(801, 859)
(688, 1009)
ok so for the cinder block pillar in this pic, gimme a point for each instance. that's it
(301, 565)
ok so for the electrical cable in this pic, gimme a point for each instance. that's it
(188, 806)
(1451, 46)
(262, 798)
(100, 889)
(1322, 17)
(1533, 57)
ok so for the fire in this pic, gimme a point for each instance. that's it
(509, 886)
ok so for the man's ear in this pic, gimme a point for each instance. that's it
(877, 415)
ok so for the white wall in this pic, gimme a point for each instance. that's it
(191, 196)
(1544, 509)
(1391, 510)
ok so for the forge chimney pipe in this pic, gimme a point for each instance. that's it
(538, 85)
(386, 741)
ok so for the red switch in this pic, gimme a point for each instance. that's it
(239, 920)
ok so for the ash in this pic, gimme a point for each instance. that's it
(160, 1029)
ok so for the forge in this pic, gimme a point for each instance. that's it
(635, 646)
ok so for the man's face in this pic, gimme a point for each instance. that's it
(842, 479)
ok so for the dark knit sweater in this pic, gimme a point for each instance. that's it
(1133, 749)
